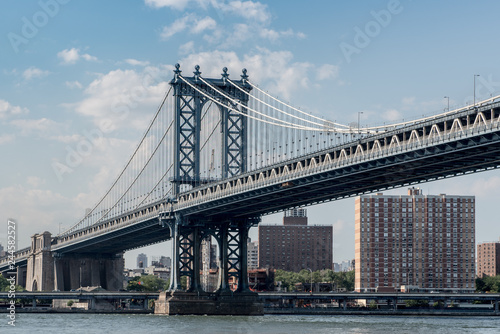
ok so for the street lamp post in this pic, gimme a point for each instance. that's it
(475, 75)
(447, 97)
(359, 116)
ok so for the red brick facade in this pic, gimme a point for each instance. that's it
(424, 241)
(488, 259)
(295, 245)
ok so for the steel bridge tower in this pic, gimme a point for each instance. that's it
(189, 103)
(187, 232)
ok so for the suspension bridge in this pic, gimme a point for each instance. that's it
(220, 153)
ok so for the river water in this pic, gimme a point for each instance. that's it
(121, 323)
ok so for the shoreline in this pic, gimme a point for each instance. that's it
(271, 311)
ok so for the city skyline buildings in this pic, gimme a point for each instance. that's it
(142, 261)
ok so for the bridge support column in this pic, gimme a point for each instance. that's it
(196, 282)
(224, 278)
(21, 273)
(72, 271)
(175, 279)
(243, 279)
(227, 300)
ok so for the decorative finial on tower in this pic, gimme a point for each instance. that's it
(244, 76)
(225, 75)
(177, 71)
(197, 72)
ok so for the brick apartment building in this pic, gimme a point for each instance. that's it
(295, 245)
(423, 241)
(488, 259)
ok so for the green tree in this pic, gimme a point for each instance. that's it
(488, 284)
(341, 280)
(415, 303)
(5, 285)
(149, 283)
(373, 305)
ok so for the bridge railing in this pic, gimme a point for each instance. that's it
(280, 175)
(18, 255)
(142, 214)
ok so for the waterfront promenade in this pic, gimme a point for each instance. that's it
(449, 304)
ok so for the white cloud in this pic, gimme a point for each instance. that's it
(186, 48)
(71, 56)
(188, 22)
(4, 139)
(301, 35)
(73, 84)
(252, 21)
(43, 127)
(34, 181)
(88, 57)
(327, 71)
(408, 101)
(66, 139)
(33, 72)
(240, 33)
(249, 10)
(179, 25)
(339, 225)
(180, 4)
(176, 4)
(122, 98)
(270, 34)
(28, 205)
(275, 69)
(392, 115)
(487, 187)
(135, 62)
(7, 109)
(206, 23)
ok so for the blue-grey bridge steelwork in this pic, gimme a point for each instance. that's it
(220, 153)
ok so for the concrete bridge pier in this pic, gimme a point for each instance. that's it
(75, 270)
(21, 273)
(49, 270)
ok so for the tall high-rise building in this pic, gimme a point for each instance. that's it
(252, 254)
(161, 261)
(424, 241)
(295, 245)
(208, 265)
(142, 261)
(488, 259)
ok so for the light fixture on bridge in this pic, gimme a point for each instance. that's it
(475, 75)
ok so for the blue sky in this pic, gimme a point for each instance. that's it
(94, 71)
